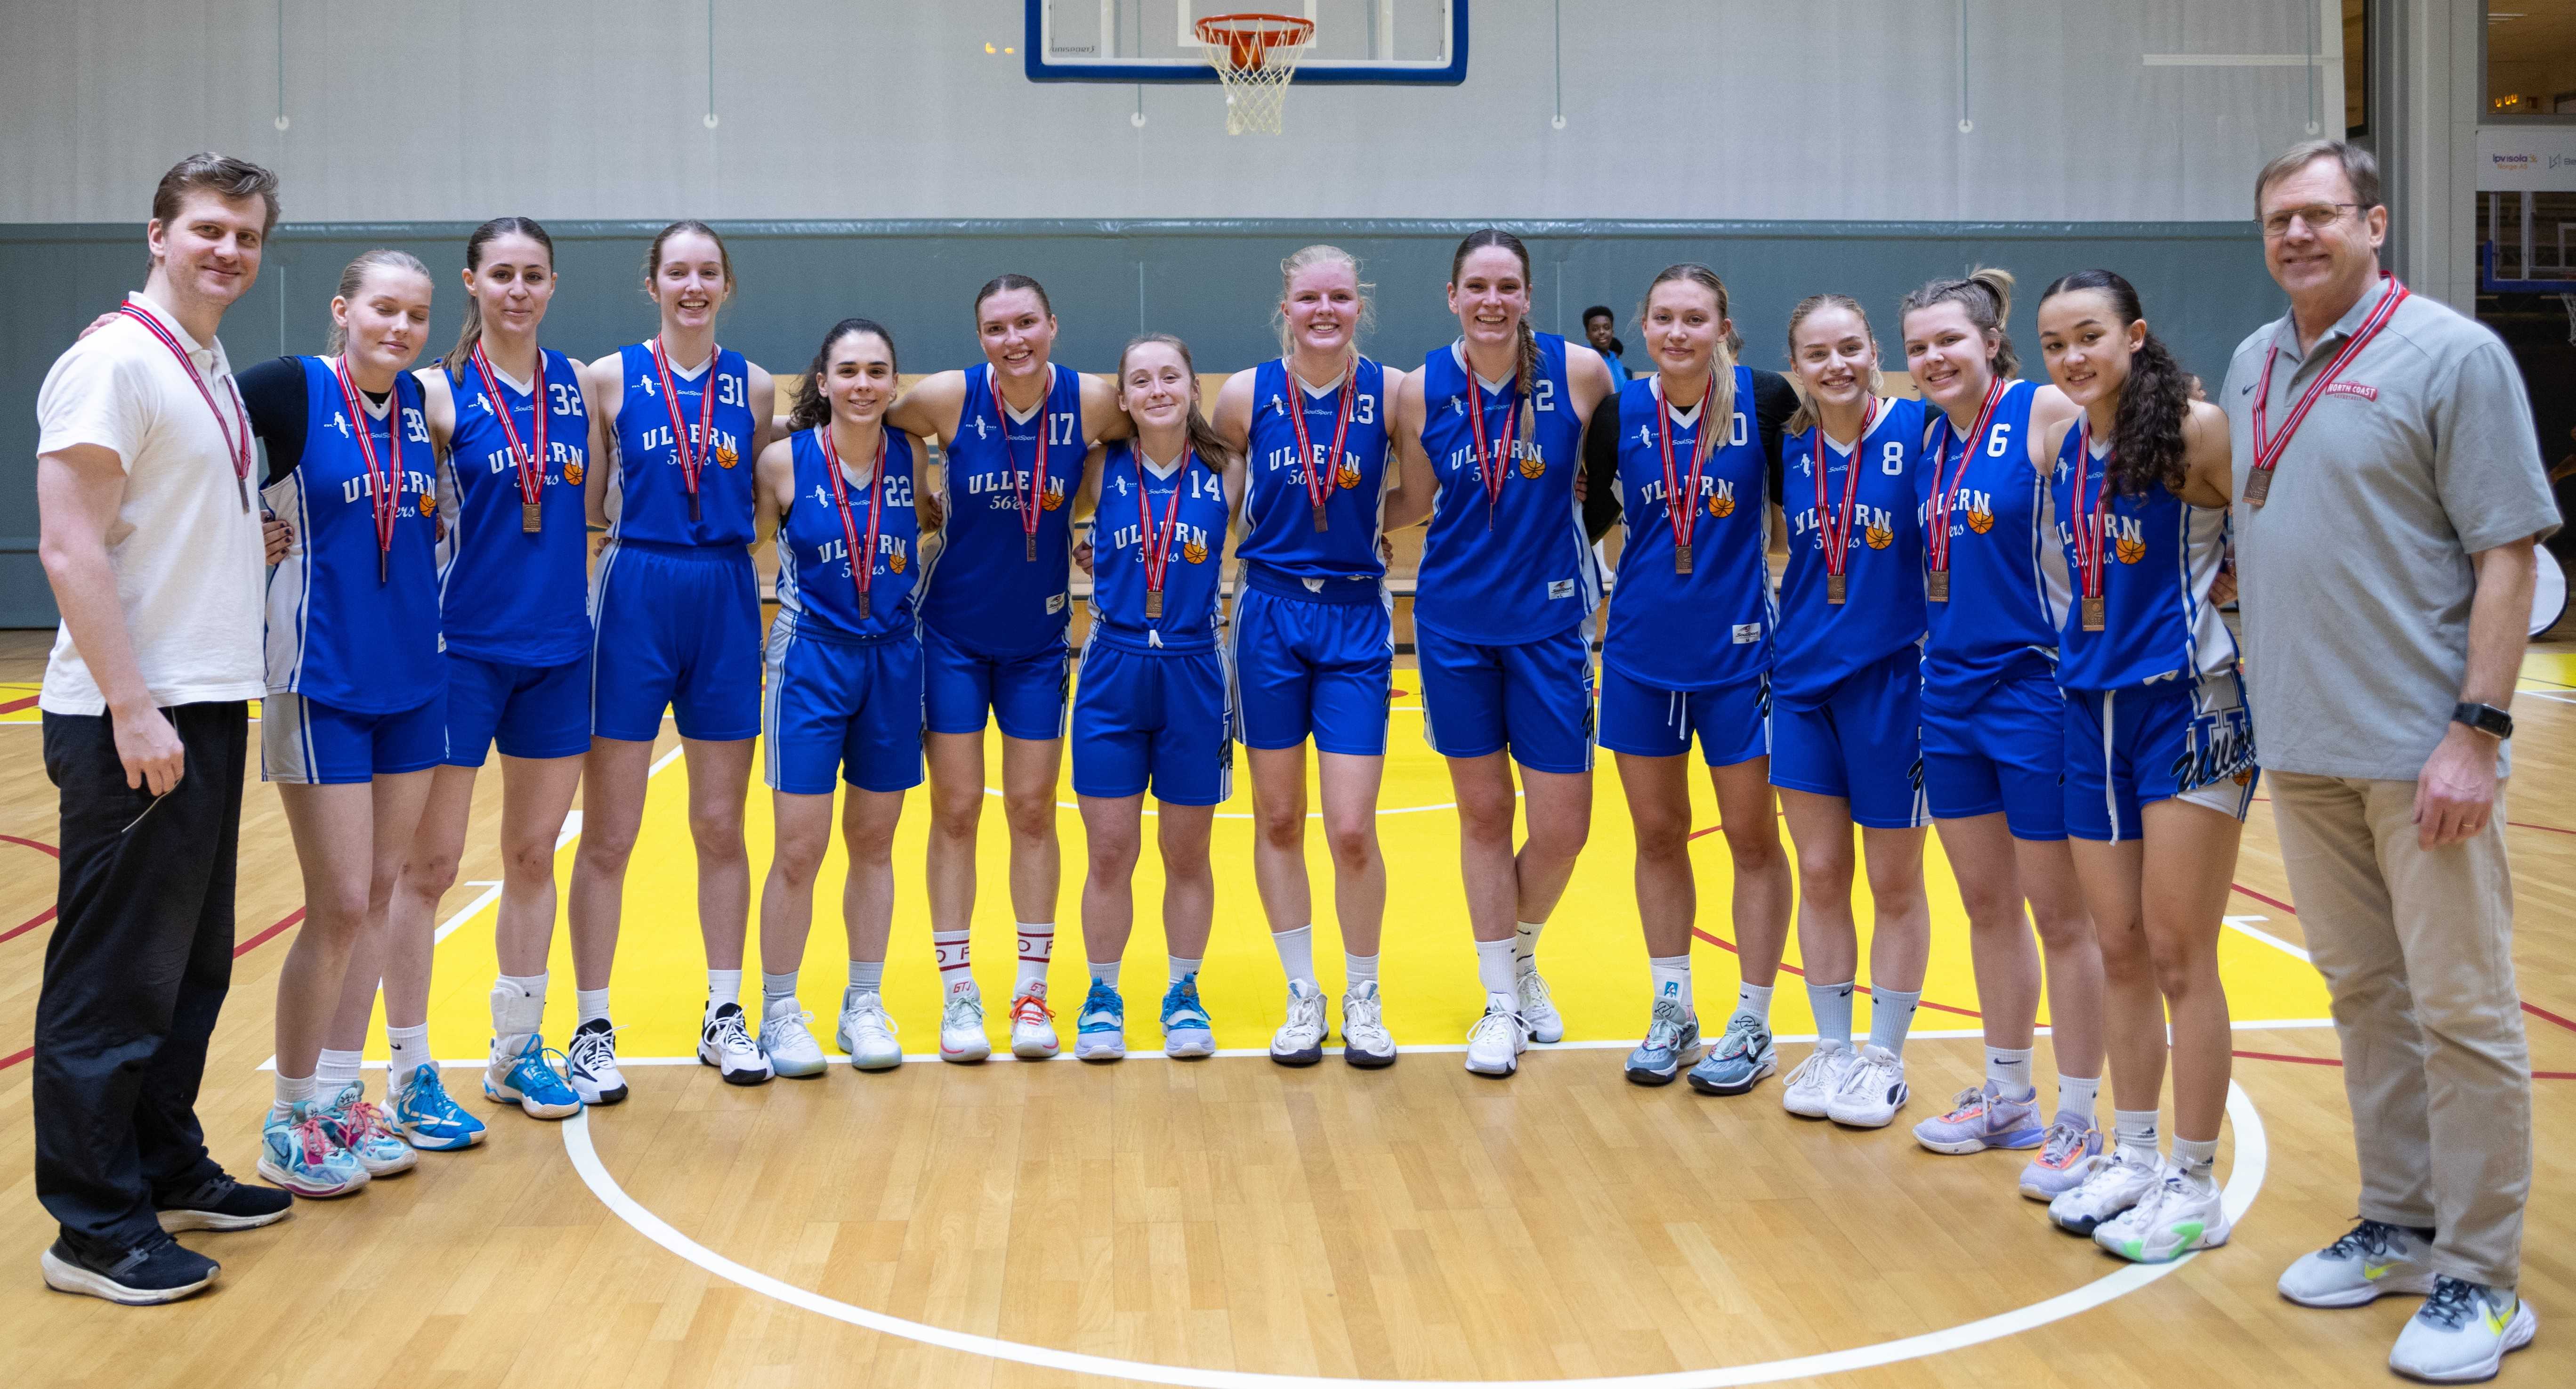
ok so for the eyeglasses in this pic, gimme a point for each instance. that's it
(2320, 217)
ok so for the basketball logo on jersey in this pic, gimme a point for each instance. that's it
(1052, 498)
(1721, 503)
(429, 504)
(2129, 550)
(895, 561)
(1195, 551)
(726, 457)
(1981, 517)
(1348, 475)
(572, 473)
(1533, 467)
(1878, 535)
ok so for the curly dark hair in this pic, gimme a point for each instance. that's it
(2146, 434)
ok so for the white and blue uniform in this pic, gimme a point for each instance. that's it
(844, 691)
(1994, 728)
(356, 686)
(2155, 704)
(514, 605)
(675, 605)
(1689, 655)
(992, 620)
(1314, 629)
(1506, 581)
(1845, 677)
(1152, 706)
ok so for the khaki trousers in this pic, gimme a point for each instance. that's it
(2417, 948)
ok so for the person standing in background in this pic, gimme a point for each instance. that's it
(154, 550)
(1601, 329)
(2380, 672)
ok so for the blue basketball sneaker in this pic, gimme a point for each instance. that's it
(1672, 1042)
(296, 1152)
(422, 1112)
(1186, 1029)
(357, 1125)
(1739, 1061)
(527, 1081)
(1100, 1030)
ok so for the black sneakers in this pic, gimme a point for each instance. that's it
(224, 1204)
(157, 1270)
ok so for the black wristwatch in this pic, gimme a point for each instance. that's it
(2485, 718)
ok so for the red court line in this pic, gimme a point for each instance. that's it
(240, 950)
(27, 925)
(13, 706)
(41, 917)
(2527, 1006)
(35, 844)
(1862, 989)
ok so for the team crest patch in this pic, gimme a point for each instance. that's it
(2355, 389)
(573, 474)
(1879, 537)
(726, 457)
(1348, 475)
(1194, 552)
(1533, 468)
(1981, 521)
(1720, 506)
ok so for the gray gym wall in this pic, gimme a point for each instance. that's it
(1794, 147)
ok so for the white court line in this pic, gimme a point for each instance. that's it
(2244, 1183)
(2544, 694)
(2237, 924)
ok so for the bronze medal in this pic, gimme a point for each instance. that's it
(2258, 485)
(1153, 605)
(1033, 549)
(531, 517)
(1320, 522)
(1834, 588)
(1936, 585)
(1682, 558)
(863, 605)
(2093, 612)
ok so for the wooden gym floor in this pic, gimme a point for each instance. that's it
(1230, 1222)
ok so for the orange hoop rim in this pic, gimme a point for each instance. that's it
(1249, 37)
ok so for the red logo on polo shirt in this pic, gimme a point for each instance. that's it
(2354, 388)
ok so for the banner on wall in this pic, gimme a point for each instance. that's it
(2527, 158)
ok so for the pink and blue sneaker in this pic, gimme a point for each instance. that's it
(1983, 1118)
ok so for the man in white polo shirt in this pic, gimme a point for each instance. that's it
(151, 536)
(2389, 490)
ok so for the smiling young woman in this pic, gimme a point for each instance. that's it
(1314, 635)
(1994, 739)
(678, 627)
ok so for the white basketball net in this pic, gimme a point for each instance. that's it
(1255, 57)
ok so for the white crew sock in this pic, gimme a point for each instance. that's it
(1037, 951)
(1525, 947)
(1891, 1016)
(2133, 1136)
(1496, 967)
(1106, 972)
(1296, 952)
(291, 1091)
(334, 1072)
(1183, 968)
(723, 986)
(774, 987)
(1671, 977)
(410, 1047)
(2076, 1096)
(1832, 1005)
(590, 1005)
(1753, 1001)
(1358, 969)
(867, 976)
(2008, 1071)
(956, 973)
(2197, 1158)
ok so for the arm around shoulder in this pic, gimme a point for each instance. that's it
(2209, 478)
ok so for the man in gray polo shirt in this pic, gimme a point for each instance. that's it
(2389, 492)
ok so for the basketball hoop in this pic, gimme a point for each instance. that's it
(1255, 56)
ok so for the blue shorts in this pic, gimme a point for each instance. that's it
(312, 744)
(2005, 753)
(1312, 665)
(836, 705)
(1025, 694)
(2189, 740)
(678, 627)
(1534, 698)
(1731, 722)
(531, 711)
(1864, 743)
(1152, 720)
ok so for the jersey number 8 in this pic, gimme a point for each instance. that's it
(1892, 460)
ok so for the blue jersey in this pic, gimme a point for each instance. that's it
(817, 589)
(1501, 570)
(337, 634)
(1713, 625)
(1120, 531)
(2160, 557)
(2008, 591)
(1822, 641)
(505, 594)
(988, 596)
(648, 499)
(1279, 513)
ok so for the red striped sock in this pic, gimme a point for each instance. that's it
(1037, 950)
(954, 976)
